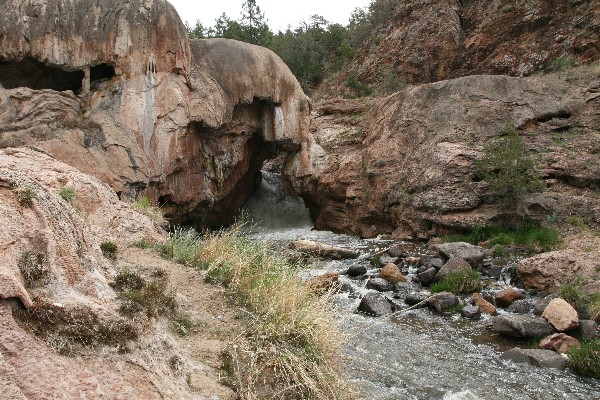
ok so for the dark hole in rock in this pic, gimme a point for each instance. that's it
(35, 75)
(102, 71)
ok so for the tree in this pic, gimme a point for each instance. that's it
(253, 24)
(197, 32)
(508, 169)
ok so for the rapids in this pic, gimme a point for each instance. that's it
(417, 354)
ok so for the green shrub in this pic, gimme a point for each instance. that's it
(585, 360)
(144, 206)
(182, 324)
(34, 266)
(25, 195)
(562, 63)
(181, 246)
(391, 82)
(142, 244)
(573, 294)
(594, 308)
(68, 194)
(360, 89)
(459, 282)
(508, 170)
(109, 250)
(149, 297)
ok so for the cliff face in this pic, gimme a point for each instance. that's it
(432, 40)
(134, 105)
(406, 165)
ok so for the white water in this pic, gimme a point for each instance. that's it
(416, 355)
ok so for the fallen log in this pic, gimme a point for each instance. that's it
(317, 249)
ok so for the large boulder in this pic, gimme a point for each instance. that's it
(374, 304)
(537, 357)
(522, 326)
(474, 255)
(452, 266)
(561, 315)
(392, 274)
(442, 301)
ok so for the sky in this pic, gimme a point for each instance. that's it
(279, 13)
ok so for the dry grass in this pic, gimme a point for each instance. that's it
(292, 349)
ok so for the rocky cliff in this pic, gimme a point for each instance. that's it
(139, 108)
(431, 40)
(405, 164)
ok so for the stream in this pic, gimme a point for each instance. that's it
(416, 354)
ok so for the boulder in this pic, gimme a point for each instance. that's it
(541, 304)
(484, 305)
(356, 270)
(385, 260)
(453, 265)
(587, 329)
(522, 326)
(506, 297)
(416, 298)
(471, 312)
(374, 304)
(323, 284)
(379, 284)
(427, 276)
(522, 306)
(433, 242)
(392, 274)
(474, 255)
(397, 251)
(561, 315)
(413, 260)
(537, 357)
(559, 342)
(317, 249)
(442, 301)
(437, 263)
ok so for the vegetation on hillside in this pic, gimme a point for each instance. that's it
(313, 48)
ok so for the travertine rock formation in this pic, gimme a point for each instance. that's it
(432, 40)
(189, 127)
(408, 168)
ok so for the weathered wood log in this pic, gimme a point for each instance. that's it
(317, 249)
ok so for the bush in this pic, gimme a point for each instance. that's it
(360, 89)
(508, 170)
(572, 293)
(181, 246)
(562, 63)
(149, 297)
(585, 360)
(25, 195)
(182, 324)
(68, 194)
(34, 266)
(142, 244)
(458, 282)
(109, 250)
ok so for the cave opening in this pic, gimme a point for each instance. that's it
(35, 75)
(102, 72)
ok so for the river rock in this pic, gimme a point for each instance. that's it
(541, 304)
(323, 284)
(356, 270)
(317, 249)
(442, 301)
(426, 277)
(474, 255)
(374, 304)
(392, 274)
(471, 312)
(433, 242)
(484, 305)
(522, 306)
(437, 263)
(396, 251)
(413, 260)
(559, 342)
(416, 298)
(561, 315)
(385, 260)
(453, 265)
(379, 284)
(506, 297)
(586, 330)
(522, 326)
(537, 357)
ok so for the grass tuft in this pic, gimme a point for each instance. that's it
(109, 250)
(68, 194)
(25, 195)
(573, 294)
(142, 244)
(34, 266)
(144, 206)
(585, 360)
(149, 297)
(458, 282)
(181, 246)
(294, 342)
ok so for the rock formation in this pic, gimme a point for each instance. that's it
(189, 126)
(432, 40)
(406, 166)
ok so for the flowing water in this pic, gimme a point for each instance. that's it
(417, 354)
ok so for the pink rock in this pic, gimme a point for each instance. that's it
(506, 297)
(561, 315)
(559, 342)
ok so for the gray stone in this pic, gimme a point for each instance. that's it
(437, 263)
(425, 260)
(427, 277)
(471, 312)
(474, 255)
(415, 298)
(540, 305)
(587, 329)
(522, 306)
(396, 251)
(380, 284)
(452, 266)
(522, 326)
(385, 260)
(374, 304)
(356, 270)
(442, 301)
(537, 357)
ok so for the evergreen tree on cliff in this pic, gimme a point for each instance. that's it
(253, 24)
